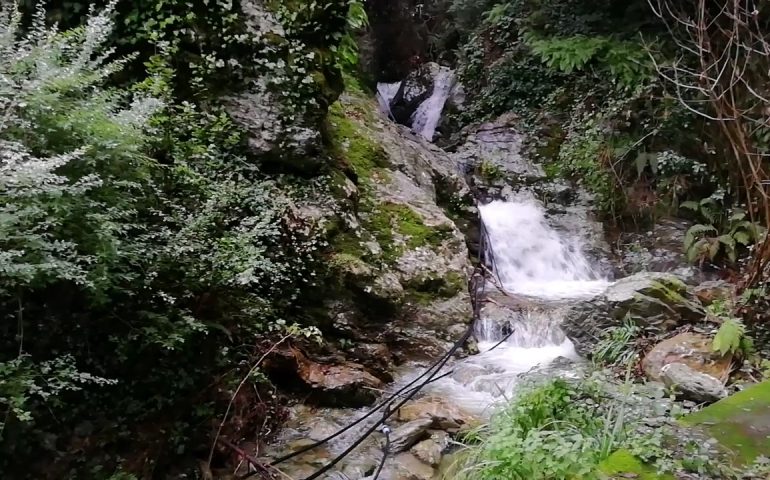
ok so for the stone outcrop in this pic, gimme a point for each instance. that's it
(657, 302)
(405, 436)
(399, 263)
(690, 349)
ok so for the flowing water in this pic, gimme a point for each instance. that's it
(425, 119)
(539, 271)
(386, 92)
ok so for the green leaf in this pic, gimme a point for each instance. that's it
(728, 338)
(695, 232)
(743, 237)
(690, 205)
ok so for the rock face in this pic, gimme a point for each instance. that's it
(290, 141)
(690, 349)
(657, 302)
(400, 264)
(691, 384)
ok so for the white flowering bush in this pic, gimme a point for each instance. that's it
(141, 254)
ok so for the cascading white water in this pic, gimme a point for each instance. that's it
(386, 92)
(531, 258)
(425, 119)
(540, 268)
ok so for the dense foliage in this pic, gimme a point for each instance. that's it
(146, 262)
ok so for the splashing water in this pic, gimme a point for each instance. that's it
(531, 258)
(539, 268)
(386, 92)
(425, 119)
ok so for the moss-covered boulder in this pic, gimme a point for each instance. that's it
(396, 255)
(740, 423)
(657, 302)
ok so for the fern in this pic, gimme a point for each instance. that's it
(730, 336)
(695, 233)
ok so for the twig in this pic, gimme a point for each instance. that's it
(237, 390)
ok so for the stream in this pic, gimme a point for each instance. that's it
(538, 269)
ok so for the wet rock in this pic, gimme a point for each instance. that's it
(403, 437)
(657, 302)
(406, 466)
(714, 290)
(493, 150)
(414, 90)
(341, 385)
(432, 450)
(467, 373)
(376, 357)
(693, 385)
(439, 411)
(690, 349)
(658, 250)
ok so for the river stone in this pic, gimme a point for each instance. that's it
(432, 450)
(402, 438)
(691, 384)
(442, 414)
(406, 466)
(691, 349)
(657, 302)
(714, 290)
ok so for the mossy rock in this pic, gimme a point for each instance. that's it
(740, 423)
(352, 147)
(622, 464)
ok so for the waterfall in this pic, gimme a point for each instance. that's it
(386, 92)
(531, 258)
(541, 271)
(425, 119)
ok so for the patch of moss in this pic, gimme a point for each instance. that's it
(389, 218)
(352, 147)
(741, 423)
(622, 464)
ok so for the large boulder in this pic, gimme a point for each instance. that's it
(657, 302)
(442, 414)
(691, 349)
(405, 436)
(414, 90)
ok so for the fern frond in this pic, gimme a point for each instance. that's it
(695, 232)
(728, 338)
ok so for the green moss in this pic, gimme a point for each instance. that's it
(741, 423)
(389, 218)
(622, 464)
(352, 147)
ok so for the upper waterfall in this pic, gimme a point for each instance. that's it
(531, 258)
(425, 119)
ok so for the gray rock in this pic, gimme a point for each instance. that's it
(414, 90)
(693, 385)
(432, 450)
(657, 302)
(405, 436)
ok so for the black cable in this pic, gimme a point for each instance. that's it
(371, 412)
(387, 414)
(385, 452)
(410, 392)
(503, 340)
